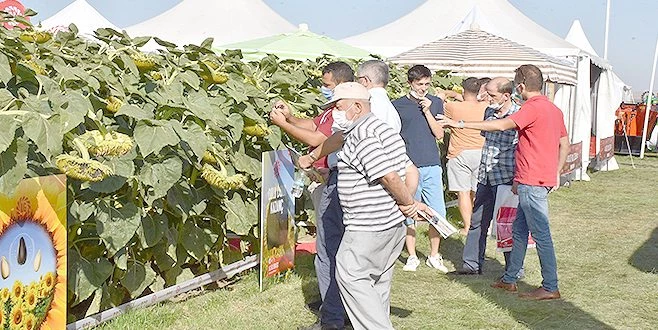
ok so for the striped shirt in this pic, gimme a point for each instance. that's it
(371, 149)
(497, 160)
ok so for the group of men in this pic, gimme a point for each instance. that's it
(382, 168)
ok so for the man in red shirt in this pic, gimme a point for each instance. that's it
(542, 150)
(328, 215)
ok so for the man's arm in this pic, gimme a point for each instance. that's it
(411, 179)
(281, 107)
(400, 192)
(488, 125)
(312, 138)
(437, 130)
(331, 144)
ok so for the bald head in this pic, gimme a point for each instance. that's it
(500, 85)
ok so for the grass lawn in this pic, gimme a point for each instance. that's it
(606, 240)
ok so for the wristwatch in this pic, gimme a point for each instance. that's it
(460, 124)
(312, 156)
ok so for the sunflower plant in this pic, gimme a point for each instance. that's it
(130, 129)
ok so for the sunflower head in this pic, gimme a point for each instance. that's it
(4, 295)
(112, 144)
(29, 322)
(2, 317)
(17, 316)
(49, 280)
(17, 291)
(31, 299)
(82, 169)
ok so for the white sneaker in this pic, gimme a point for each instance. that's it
(437, 263)
(412, 264)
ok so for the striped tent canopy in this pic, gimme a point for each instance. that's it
(476, 53)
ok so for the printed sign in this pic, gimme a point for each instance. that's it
(33, 254)
(574, 158)
(607, 149)
(276, 218)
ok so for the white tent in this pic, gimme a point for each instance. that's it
(227, 21)
(477, 53)
(436, 19)
(599, 95)
(85, 17)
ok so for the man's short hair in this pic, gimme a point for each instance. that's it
(530, 76)
(471, 85)
(375, 70)
(340, 72)
(418, 72)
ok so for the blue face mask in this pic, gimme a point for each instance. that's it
(326, 92)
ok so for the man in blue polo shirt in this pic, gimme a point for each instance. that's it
(420, 130)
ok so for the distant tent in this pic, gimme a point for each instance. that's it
(436, 19)
(85, 17)
(599, 96)
(476, 53)
(300, 45)
(227, 21)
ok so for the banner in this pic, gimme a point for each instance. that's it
(33, 255)
(574, 159)
(607, 149)
(277, 215)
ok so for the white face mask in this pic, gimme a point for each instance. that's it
(340, 119)
(496, 106)
(415, 94)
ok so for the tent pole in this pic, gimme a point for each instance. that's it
(607, 28)
(648, 102)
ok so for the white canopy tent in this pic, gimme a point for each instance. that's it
(227, 21)
(477, 53)
(436, 19)
(599, 94)
(85, 17)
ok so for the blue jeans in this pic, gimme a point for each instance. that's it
(532, 215)
(330, 231)
(430, 190)
(476, 240)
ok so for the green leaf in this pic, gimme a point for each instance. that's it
(191, 79)
(86, 276)
(197, 241)
(161, 176)
(151, 230)
(13, 165)
(178, 275)
(44, 133)
(200, 106)
(133, 111)
(138, 278)
(194, 136)
(240, 217)
(151, 138)
(244, 163)
(237, 124)
(7, 132)
(116, 225)
(77, 106)
(5, 69)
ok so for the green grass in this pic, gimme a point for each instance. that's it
(606, 240)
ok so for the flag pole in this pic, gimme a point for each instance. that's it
(607, 28)
(648, 102)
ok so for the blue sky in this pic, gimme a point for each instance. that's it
(36, 239)
(633, 27)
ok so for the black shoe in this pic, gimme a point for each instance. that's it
(466, 272)
(318, 326)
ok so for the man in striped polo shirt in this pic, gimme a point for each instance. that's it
(375, 178)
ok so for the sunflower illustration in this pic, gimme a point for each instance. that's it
(31, 299)
(2, 318)
(17, 316)
(33, 228)
(4, 295)
(17, 291)
(30, 322)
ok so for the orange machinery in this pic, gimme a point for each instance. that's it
(630, 122)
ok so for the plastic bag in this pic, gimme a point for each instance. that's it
(504, 215)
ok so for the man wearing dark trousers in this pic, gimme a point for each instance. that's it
(542, 150)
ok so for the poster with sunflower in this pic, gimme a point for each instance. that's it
(33, 255)
(277, 239)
